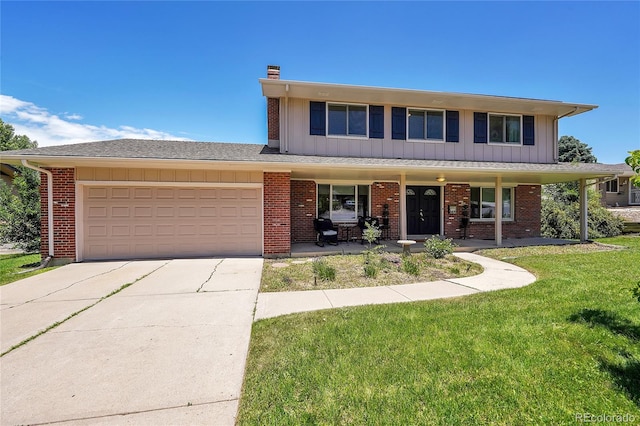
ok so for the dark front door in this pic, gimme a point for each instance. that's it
(423, 210)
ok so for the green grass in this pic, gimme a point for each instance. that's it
(350, 272)
(13, 267)
(541, 354)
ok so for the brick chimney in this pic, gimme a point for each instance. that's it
(273, 111)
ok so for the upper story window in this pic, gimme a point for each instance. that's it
(611, 186)
(347, 120)
(504, 128)
(425, 124)
(483, 203)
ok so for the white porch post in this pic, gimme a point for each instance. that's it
(584, 215)
(403, 206)
(498, 211)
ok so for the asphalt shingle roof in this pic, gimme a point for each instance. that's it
(240, 152)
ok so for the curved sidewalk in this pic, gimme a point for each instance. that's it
(497, 275)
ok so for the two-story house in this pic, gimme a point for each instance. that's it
(423, 162)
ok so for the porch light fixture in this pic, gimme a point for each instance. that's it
(440, 179)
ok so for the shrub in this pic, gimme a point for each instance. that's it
(371, 233)
(323, 270)
(370, 270)
(437, 248)
(410, 266)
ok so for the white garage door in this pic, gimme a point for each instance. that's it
(147, 222)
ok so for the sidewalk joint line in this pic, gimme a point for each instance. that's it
(390, 287)
(327, 297)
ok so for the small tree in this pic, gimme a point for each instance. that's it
(633, 160)
(20, 203)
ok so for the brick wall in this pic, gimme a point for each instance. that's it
(277, 213)
(387, 193)
(273, 119)
(303, 210)
(64, 216)
(526, 222)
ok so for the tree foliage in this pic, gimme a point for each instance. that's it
(561, 201)
(571, 150)
(19, 203)
(633, 160)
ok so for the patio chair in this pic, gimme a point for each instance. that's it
(325, 232)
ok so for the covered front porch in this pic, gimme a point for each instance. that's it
(462, 245)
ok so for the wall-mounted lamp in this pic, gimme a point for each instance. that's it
(440, 179)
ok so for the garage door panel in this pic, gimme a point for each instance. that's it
(146, 222)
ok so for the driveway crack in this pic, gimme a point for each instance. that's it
(215, 268)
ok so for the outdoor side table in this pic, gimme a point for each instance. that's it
(406, 246)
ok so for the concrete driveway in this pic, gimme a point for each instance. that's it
(168, 349)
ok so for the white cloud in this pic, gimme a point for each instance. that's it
(50, 129)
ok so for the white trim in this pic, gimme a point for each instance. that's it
(427, 140)
(489, 114)
(347, 135)
(617, 186)
(493, 219)
(355, 185)
(170, 184)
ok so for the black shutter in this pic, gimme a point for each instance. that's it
(528, 130)
(376, 122)
(480, 127)
(317, 118)
(398, 123)
(453, 126)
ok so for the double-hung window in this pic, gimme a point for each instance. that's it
(347, 120)
(505, 129)
(343, 203)
(611, 186)
(483, 203)
(425, 124)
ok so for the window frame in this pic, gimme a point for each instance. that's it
(348, 135)
(426, 128)
(511, 217)
(607, 186)
(356, 195)
(504, 129)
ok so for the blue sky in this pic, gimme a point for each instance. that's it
(81, 71)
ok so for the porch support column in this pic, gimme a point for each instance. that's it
(584, 215)
(498, 206)
(403, 206)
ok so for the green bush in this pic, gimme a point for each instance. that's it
(370, 270)
(437, 248)
(323, 270)
(410, 266)
(560, 215)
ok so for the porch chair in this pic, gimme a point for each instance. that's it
(325, 232)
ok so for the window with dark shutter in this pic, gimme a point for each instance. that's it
(480, 127)
(376, 122)
(453, 126)
(528, 130)
(398, 123)
(317, 118)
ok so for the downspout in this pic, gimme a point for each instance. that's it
(286, 118)
(49, 201)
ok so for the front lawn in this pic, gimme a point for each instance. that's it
(14, 267)
(565, 346)
(298, 274)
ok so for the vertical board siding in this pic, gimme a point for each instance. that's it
(301, 142)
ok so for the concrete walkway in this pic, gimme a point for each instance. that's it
(169, 349)
(497, 275)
